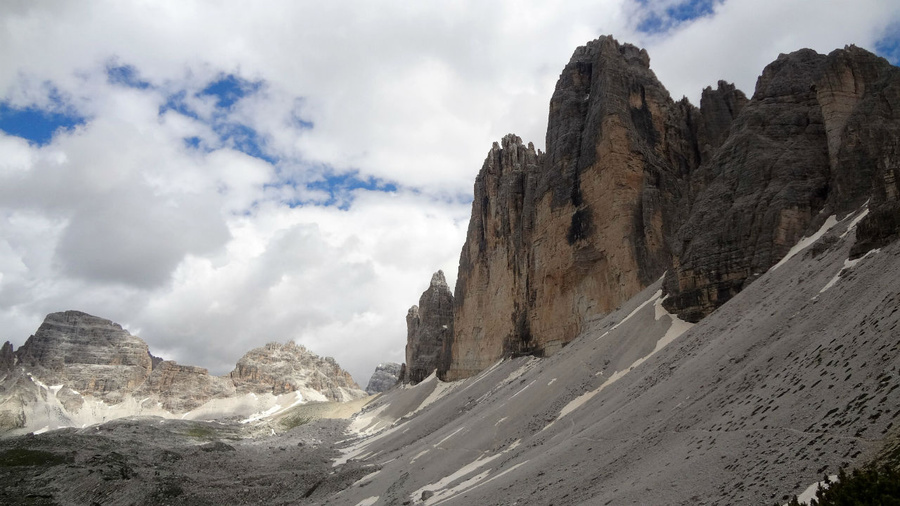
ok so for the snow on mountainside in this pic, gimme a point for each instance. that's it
(79, 369)
(748, 406)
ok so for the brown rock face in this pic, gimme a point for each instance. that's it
(819, 137)
(634, 184)
(282, 368)
(558, 238)
(89, 354)
(182, 388)
(429, 326)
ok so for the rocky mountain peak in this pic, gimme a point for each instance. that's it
(91, 355)
(75, 360)
(634, 185)
(7, 357)
(278, 368)
(438, 281)
(819, 138)
(429, 327)
(385, 376)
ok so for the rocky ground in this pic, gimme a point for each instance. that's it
(155, 461)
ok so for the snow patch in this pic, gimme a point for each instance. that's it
(368, 501)
(652, 298)
(848, 264)
(263, 414)
(856, 220)
(805, 242)
(440, 489)
(676, 328)
(457, 431)
(810, 492)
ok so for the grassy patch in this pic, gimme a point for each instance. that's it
(200, 432)
(294, 421)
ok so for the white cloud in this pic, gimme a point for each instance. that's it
(198, 248)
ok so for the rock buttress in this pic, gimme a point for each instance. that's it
(558, 238)
(818, 138)
(428, 328)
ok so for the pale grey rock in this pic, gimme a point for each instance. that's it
(91, 355)
(385, 376)
(75, 360)
(281, 368)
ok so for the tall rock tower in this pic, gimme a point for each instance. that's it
(429, 327)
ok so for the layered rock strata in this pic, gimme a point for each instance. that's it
(634, 185)
(91, 355)
(429, 328)
(557, 238)
(282, 368)
(820, 137)
(74, 357)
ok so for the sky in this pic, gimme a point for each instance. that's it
(218, 175)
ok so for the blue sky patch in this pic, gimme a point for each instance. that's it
(245, 140)
(674, 15)
(36, 125)
(125, 75)
(889, 47)
(176, 103)
(339, 188)
(229, 89)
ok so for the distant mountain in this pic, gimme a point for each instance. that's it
(79, 369)
(385, 376)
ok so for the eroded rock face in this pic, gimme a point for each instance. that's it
(819, 137)
(75, 360)
(429, 328)
(282, 368)
(634, 184)
(558, 238)
(385, 376)
(182, 388)
(91, 355)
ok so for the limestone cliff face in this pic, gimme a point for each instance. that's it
(282, 368)
(634, 185)
(560, 237)
(429, 327)
(181, 388)
(75, 360)
(819, 137)
(91, 355)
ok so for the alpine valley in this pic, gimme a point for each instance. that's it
(671, 305)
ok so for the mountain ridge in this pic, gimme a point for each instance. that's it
(634, 185)
(79, 366)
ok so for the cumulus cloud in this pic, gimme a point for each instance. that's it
(232, 174)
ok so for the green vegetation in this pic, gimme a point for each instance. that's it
(25, 457)
(294, 421)
(200, 432)
(873, 485)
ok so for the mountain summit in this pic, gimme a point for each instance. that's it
(635, 185)
(78, 369)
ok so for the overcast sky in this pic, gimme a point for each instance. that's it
(219, 175)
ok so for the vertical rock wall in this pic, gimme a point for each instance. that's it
(634, 184)
(560, 237)
(819, 138)
(429, 326)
